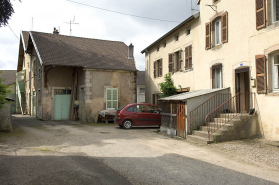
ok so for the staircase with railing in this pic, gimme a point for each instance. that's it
(241, 103)
(223, 118)
(195, 118)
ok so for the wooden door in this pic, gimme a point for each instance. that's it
(181, 120)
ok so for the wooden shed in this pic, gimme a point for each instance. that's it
(182, 113)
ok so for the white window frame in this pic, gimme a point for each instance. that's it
(111, 98)
(220, 30)
(273, 11)
(141, 90)
(216, 80)
(275, 73)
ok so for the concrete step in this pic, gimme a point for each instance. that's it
(223, 120)
(198, 140)
(222, 129)
(200, 133)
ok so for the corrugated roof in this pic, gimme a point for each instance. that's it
(61, 50)
(173, 30)
(141, 78)
(188, 95)
(9, 76)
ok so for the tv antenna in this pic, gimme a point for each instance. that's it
(71, 22)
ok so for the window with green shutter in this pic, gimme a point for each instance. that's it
(112, 98)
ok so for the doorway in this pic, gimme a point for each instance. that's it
(242, 89)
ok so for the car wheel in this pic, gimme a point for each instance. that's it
(127, 124)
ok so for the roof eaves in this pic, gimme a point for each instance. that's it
(35, 46)
(194, 16)
(21, 34)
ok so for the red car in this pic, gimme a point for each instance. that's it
(137, 114)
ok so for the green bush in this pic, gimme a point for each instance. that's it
(167, 87)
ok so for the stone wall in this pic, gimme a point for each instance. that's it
(96, 82)
(6, 118)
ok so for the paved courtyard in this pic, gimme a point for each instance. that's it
(49, 152)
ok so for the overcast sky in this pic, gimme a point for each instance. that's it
(93, 23)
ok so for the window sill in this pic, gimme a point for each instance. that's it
(272, 26)
(219, 46)
(183, 71)
(158, 77)
(273, 94)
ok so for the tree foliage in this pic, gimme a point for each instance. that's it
(167, 87)
(6, 11)
(3, 93)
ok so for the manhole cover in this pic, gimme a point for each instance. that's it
(104, 132)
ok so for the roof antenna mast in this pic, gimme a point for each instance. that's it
(71, 22)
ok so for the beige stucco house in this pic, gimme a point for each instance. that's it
(228, 44)
(68, 78)
(141, 87)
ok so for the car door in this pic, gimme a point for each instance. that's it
(140, 115)
(154, 115)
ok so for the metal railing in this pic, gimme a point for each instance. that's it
(195, 118)
(241, 103)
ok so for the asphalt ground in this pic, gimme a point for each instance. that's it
(65, 152)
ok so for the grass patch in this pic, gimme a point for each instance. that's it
(44, 149)
(99, 124)
(17, 132)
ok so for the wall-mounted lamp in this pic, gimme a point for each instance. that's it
(211, 6)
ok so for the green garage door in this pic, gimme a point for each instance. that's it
(62, 106)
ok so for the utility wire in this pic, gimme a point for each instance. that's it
(13, 32)
(121, 12)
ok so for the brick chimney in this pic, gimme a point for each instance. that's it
(55, 31)
(131, 51)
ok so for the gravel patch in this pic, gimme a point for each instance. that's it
(257, 151)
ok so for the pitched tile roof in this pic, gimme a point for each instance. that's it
(55, 49)
(9, 76)
(141, 78)
(25, 35)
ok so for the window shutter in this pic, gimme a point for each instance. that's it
(225, 27)
(154, 70)
(108, 96)
(115, 98)
(260, 14)
(208, 35)
(261, 74)
(190, 57)
(160, 67)
(186, 57)
(170, 63)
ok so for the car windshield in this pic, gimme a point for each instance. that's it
(121, 108)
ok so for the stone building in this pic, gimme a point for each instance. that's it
(68, 78)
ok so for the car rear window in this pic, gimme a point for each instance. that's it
(130, 109)
(121, 108)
